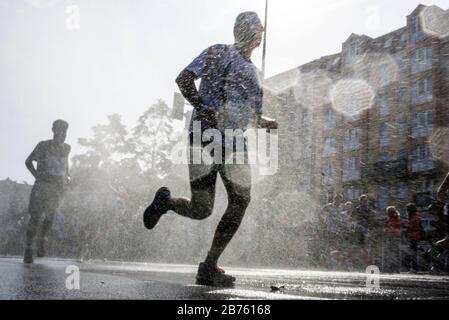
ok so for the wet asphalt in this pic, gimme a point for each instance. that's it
(56, 279)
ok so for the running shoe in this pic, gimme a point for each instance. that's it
(157, 208)
(209, 275)
(42, 248)
(28, 256)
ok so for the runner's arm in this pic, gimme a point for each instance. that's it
(29, 161)
(186, 83)
(67, 166)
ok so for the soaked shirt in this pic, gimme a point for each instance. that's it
(230, 85)
(52, 161)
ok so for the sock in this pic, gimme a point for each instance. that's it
(211, 260)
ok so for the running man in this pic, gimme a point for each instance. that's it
(51, 175)
(229, 97)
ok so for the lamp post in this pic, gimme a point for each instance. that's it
(264, 52)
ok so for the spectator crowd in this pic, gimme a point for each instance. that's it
(355, 237)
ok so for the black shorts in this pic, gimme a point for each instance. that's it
(45, 197)
(202, 175)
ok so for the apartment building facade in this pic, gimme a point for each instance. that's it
(399, 86)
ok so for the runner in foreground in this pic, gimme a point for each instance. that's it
(229, 97)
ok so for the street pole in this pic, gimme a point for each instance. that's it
(264, 53)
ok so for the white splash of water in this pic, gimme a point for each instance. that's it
(435, 21)
(352, 96)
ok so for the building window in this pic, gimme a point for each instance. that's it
(403, 126)
(404, 95)
(415, 30)
(352, 139)
(402, 62)
(421, 60)
(352, 51)
(351, 169)
(422, 124)
(329, 147)
(384, 106)
(427, 186)
(384, 197)
(384, 135)
(404, 38)
(352, 193)
(421, 158)
(403, 154)
(327, 174)
(422, 91)
(402, 191)
(327, 197)
(329, 119)
(384, 74)
(388, 43)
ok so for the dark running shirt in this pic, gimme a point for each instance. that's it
(52, 161)
(230, 85)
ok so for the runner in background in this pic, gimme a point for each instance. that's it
(51, 174)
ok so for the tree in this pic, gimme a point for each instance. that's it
(153, 140)
(108, 147)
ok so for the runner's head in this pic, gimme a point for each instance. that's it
(338, 199)
(349, 207)
(60, 130)
(364, 200)
(248, 30)
(392, 212)
(412, 208)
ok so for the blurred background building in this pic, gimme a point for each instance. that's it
(370, 119)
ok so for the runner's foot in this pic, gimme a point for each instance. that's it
(209, 275)
(28, 256)
(157, 208)
(42, 248)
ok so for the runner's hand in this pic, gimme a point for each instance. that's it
(267, 123)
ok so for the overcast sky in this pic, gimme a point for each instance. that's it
(123, 55)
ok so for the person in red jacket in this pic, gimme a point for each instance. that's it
(413, 234)
(392, 240)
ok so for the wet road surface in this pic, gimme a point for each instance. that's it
(46, 279)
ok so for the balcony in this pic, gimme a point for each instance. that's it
(388, 169)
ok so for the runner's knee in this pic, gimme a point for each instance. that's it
(203, 211)
(202, 204)
(241, 199)
(33, 225)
